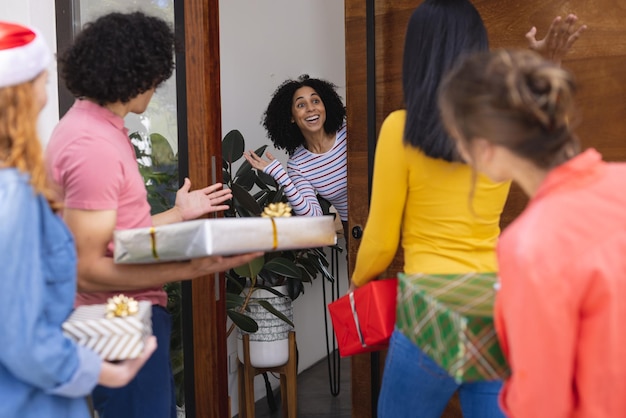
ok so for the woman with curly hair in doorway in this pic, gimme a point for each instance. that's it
(306, 118)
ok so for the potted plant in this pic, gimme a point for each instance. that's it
(278, 275)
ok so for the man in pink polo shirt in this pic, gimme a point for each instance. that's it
(114, 67)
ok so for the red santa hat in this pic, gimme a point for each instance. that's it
(23, 54)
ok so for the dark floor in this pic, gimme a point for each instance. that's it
(314, 396)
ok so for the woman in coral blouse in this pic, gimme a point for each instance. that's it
(562, 300)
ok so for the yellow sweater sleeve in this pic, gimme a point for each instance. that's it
(389, 193)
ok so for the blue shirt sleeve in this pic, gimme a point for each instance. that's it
(85, 377)
(34, 300)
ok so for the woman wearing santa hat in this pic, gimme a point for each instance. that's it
(42, 373)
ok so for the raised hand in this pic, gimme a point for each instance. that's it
(192, 205)
(562, 34)
(258, 162)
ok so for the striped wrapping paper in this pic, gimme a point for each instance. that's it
(450, 317)
(112, 338)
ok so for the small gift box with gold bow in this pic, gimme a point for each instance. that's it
(116, 330)
(224, 236)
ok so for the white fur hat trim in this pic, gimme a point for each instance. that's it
(20, 63)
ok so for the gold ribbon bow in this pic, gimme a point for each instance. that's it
(121, 306)
(276, 210)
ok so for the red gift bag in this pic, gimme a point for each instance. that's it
(364, 319)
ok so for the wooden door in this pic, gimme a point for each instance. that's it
(374, 45)
(206, 388)
(597, 60)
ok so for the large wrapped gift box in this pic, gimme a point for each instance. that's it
(450, 317)
(224, 236)
(363, 320)
(115, 338)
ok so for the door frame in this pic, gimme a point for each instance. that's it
(204, 298)
(361, 100)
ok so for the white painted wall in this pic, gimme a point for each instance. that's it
(262, 44)
(40, 15)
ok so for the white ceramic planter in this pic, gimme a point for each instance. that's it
(269, 346)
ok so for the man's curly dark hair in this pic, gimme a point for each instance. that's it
(117, 57)
(277, 118)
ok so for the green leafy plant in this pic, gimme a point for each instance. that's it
(158, 166)
(253, 190)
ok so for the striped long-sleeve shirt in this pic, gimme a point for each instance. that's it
(309, 174)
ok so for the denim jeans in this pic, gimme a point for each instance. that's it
(415, 386)
(151, 394)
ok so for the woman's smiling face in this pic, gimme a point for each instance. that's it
(307, 110)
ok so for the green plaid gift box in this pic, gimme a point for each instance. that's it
(450, 317)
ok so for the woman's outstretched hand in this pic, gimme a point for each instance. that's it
(258, 162)
(562, 34)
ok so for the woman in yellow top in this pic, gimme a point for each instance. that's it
(420, 196)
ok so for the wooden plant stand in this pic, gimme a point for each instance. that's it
(288, 381)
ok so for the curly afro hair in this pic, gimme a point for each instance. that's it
(277, 118)
(117, 57)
